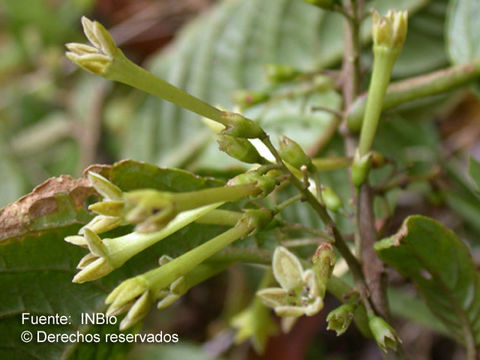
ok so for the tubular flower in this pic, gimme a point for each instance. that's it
(109, 254)
(173, 278)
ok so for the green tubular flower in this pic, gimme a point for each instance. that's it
(184, 283)
(151, 209)
(389, 33)
(299, 293)
(158, 283)
(105, 59)
(109, 254)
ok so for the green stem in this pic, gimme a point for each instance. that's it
(415, 88)
(288, 202)
(384, 60)
(125, 71)
(340, 244)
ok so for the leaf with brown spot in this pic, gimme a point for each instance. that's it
(55, 203)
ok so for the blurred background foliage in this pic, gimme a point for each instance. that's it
(55, 119)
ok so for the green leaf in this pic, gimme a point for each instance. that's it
(130, 175)
(36, 277)
(441, 267)
(463, 29)
(37, 265)
(474, 171)
(226, 50)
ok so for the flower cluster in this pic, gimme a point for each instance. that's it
(174, 277)
(156, 215)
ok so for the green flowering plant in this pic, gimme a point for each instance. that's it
(302, 291)
(312, 218)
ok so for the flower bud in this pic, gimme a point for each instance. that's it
(340, 318)
(390, 31)
(245, 99)
(293, 154)
(240, 149)
(97, 58)
(383, 333)
(330, 198)
(280, 73)
(323, 263)
(240, 126)
(360, 168)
